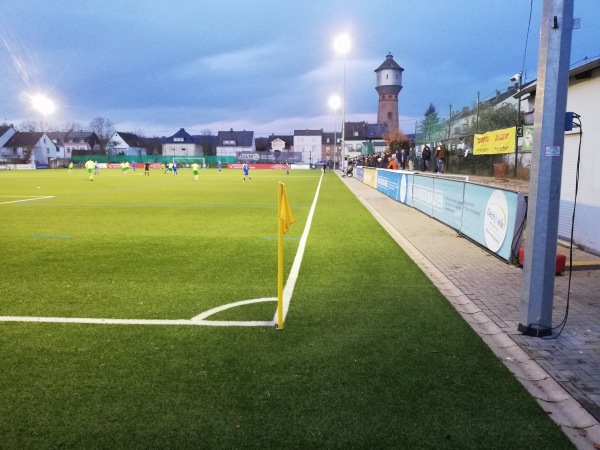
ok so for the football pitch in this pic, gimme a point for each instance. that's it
(105, 286)
(157, 249)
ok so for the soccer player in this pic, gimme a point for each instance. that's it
(195, 170)
(89, 165)
(246, 170)
(133, 165)
(96, 168)
(219, 166)
(71, 167)
(175, 168)
(147, 168)
(287, 168)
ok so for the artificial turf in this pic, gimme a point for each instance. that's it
(371, 355)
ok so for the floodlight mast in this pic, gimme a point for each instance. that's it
(342, 45)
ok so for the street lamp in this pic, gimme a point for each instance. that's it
(342, 45)
(334, 103)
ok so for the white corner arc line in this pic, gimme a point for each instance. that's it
(220, 308)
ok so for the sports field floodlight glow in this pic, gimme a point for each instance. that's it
(334, 103)
(342, 45)
(43, 104)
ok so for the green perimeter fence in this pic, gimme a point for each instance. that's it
(152, 158)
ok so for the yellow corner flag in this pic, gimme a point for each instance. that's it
(285, 219)
(285, 212)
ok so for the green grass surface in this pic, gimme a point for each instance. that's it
(371, 356)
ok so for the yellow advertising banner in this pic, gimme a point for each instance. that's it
(495, 142)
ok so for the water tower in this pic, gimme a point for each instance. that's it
(389, 83)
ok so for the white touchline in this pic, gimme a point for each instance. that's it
(288, 290)
(24, 199)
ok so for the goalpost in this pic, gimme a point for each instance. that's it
(187, 161)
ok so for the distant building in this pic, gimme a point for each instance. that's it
(309, 144)
(181, 144)
(365, 138)
(129, 144)
(74, 141)
(31, 147)
(232, 143)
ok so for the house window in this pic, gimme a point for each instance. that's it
(69, 151)
(228, 141)
(47, 151)
(178, 139)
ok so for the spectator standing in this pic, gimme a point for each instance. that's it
(426, 155)
(440, 154)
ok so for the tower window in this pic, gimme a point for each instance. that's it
(389, 115)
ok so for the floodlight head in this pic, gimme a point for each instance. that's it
(516, 77)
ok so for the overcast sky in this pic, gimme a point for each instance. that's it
(268, 66)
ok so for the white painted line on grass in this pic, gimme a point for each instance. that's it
(288, 290)
(25, 198)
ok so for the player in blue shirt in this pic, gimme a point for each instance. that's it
(174, 168)
(219, 166)
(246, 170)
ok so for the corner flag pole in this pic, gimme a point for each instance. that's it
(280, 257)
(284, 219)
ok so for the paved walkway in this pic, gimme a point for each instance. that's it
(563, 374)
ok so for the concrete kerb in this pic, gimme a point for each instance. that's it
(577, 424)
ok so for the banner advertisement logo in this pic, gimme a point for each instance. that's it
(495, 142)
(495, 222)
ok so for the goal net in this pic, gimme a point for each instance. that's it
(187, 161)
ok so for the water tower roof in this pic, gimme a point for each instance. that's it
(389, 63)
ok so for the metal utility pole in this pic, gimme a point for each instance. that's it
(535, 318)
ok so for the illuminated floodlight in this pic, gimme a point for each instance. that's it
(43, 104)
(342, 44)
(335, 102)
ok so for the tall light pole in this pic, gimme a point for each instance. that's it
(342, 45)
(517, 77)
(334, 103)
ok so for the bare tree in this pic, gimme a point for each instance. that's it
(104, 129)
(33, 126)
(71, 126)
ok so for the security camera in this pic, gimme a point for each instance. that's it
(515, 77)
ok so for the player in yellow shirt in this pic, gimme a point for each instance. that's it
(195, 167)
(89, 165)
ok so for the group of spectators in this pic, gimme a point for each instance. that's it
(405, 159)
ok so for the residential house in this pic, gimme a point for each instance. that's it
(69, 142)
(331, 146)
(234, 143)
(578, 167)
(31, 146)
(207, 143)
(309, 144)
(182, 144)
(6, 132)
(129, 144)
(364, 138)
